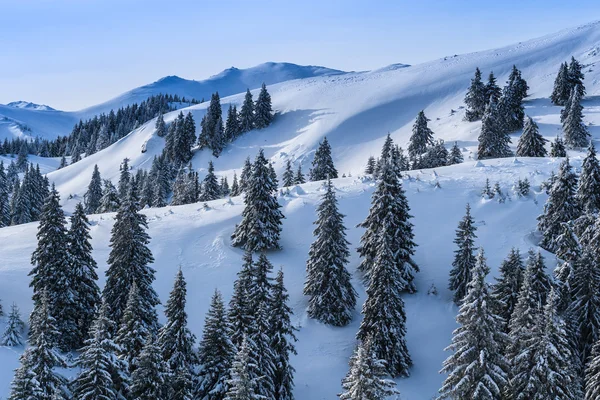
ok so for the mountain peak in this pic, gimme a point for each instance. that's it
(30, 106)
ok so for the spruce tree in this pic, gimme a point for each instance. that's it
(575, 77)
(261, 351)
(262, 110)
(560, 207)
(384, 318)
(421, 137)
(455, 156)
(562, 89)
(367, 377)
(240, 314)
(332, 297)
(4, 202)
(103, 375)
(110, 201)
(176, 342)
(261, 219)
(492, 90)
(235, 187)
(588, 189)
(531, 143)
(370, 168)
(215, 353)
(322, 165)
(13, 332)
(246, 114)
(288, 176)
(282, 338)
(507, 288)
(575, 131)
(83, 267)
(464, 259)
(224, 187)
(592, 374)
(124, 179)
(132, 331)
(493, 141)
(148, 380)
(25, 384)
(161, 127)
(389, 202)
(299, 179)
(246, 175)
(93, 196)
(557, 148)
(128, 263)
(244, 380)
(476, 98)
(210, 185)
(478, 368)
(232, 129)
(568, 250)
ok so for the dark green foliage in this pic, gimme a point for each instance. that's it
(464, 259)
(322, 165)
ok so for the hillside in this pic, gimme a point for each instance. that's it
(355, 111)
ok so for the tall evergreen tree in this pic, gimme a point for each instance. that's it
(476, 98)
(232, 128)
(389, 202)
(508, 286)
(478, 368)
(263, 110)
(531, 143)
(161, 127)
(83, 268)
(177, 342)
(575, 77)
(4, 202)
(464, 259)
(210, 185)
(492, 90)
(562, 89)
(132, 332)
(93, 196)
(288, 178)
(455, 156)
(235, 187)
(557, 148)
(246, 175)
(588, 189)
(282, 338)
(13, 333)
(148, 380)
(367, 377)
(332, 297)
(124, 179)
(493, 141)
(322, 165)
(560, 207)
(384, 318)
(421, 137)
(216, 352)
(128, 263)
(240, 314)
(243, 382)
(110, 201)
(592, 374)
(246, 114)
(261, 219)
(575, 131)
(299, 179)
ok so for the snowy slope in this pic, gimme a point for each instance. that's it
(21, 118)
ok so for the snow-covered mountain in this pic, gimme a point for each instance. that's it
(355, 111)
(21, 118)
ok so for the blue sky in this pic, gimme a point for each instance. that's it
(71, 54)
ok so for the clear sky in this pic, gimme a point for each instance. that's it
(71, 54)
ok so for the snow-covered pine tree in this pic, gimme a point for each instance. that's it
(4, 202)
(161, 127)
(370, 168)
(543, 369)
(128, 263)
(288, 175)
(299, 179)
(83, 266)
(180, 189)
(367, 377)
(232, 129)
(210, 185)
(510, 108)
(562, 89)
(560, 207)
(124, 179)
(421, 137)
(261, 351)
(389, 201)
(592, 374)
(455, 155)
(557, 148)
(492, 90)
(435, 157)
(568, 250)
(475, 99)
(52, 274)
(518, 83)
(176, 342)
(461, 272)
(507, 288)
(263, 110)
(384, 318)
(531, 143)
(332, 297)
(224, 187)
(93, 196)
(261, 219)
(25, 384)
(493, 141)
(575, 131)
(235, 187)
(282, 338)
(246, 175)
(478, 368)
(148, 379)
(588, 189)
(215, 353)
(575, 77)
(244, 380)
(132, 331)
(13, 332)
(246, 114)
(322, 165)
(110, 201)
(240, 314)
(273, 175)
(103, 375)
